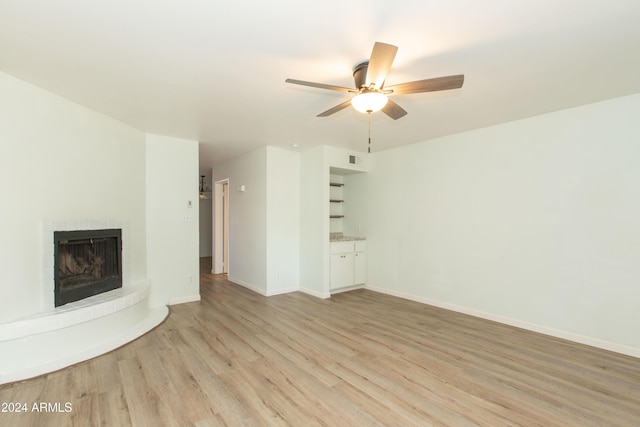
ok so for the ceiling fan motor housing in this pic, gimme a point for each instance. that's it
(360, 74)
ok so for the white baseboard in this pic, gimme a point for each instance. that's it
(314, 293)
(569, 336)
(347, 289)
(281, 291)
(182, 300)
(247, 285)
(262, 292)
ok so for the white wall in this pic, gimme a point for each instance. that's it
(279, 226)
(264, 231)
(206, 218)
(314, 225)
(355, 220)
(535, 222)
(172, 220)
(206, 227)
(283, 220)
(247, 218)
(60, 161)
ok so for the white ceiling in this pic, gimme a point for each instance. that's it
(214, 71)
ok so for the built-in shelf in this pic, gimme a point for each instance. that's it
(336, 200)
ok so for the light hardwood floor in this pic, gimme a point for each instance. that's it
(358, 359)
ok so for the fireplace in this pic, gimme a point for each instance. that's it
(87, 262)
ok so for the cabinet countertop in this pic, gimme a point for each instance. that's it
(333, 239)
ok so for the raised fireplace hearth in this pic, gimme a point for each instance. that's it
(55, 337)
(87, 263)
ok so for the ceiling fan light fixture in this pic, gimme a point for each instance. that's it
(369, 78)
(369, 102)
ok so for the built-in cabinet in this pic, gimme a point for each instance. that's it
(348, 257)
(348, 264)
(360, 264)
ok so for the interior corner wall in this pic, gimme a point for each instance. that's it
(60, 161)
(206, 220)
(247, 218)
(314, 222)
(534, 221)
(206, 228)
(172, 207)
(283, 220)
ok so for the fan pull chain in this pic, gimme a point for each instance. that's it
(369, 147)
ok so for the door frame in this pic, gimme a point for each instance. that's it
(220, 263)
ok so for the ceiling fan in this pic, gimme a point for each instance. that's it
(371, 94)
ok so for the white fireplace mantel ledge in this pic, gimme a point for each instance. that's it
(75, 313)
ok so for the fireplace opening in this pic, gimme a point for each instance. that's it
(87, 263)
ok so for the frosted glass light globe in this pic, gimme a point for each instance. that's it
(369, 102)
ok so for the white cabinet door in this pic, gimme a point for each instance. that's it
(360, 268)
(341, 247)
(342, 270)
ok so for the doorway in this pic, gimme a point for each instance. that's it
(221, 228)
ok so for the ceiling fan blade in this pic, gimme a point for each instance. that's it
(382, 57)
(393, 110)
(428, 85)
(320, 85)
(335, 109)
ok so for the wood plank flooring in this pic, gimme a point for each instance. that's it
(358, 359)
